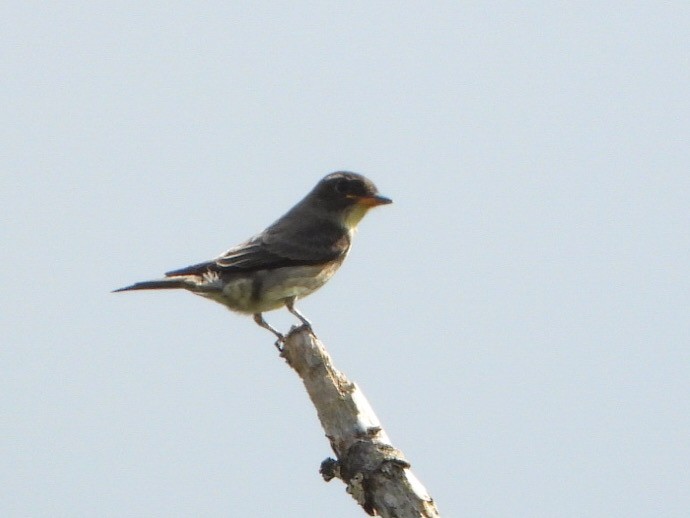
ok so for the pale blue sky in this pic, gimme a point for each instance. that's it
(519, 318)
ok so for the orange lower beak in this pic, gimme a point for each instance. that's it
(373, 201)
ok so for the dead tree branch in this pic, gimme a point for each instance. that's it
(376, 474)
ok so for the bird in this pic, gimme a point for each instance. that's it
(287, 261)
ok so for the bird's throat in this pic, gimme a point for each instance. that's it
(354, 215)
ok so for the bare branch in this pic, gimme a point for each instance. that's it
(376, 474)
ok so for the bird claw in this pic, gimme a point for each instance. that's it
(280, 343)
(305, 327)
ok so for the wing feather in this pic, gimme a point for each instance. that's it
(277, 247)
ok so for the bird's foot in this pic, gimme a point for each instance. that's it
(303, 327)
(280, 343)
(306, 327)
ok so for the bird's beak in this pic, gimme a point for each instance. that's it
(373, 201)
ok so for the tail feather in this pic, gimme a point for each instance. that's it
(162, 284)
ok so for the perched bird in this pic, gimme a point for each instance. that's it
(289, 260)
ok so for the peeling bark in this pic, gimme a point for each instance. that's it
(376, 474)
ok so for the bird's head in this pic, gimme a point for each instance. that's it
(348, 196)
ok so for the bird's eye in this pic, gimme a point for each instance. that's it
(342, 186)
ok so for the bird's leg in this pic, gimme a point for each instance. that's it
(259, 319)
(290, 304)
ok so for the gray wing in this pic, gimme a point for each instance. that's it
(277, 247)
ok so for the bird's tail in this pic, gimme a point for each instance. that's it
(162, 284)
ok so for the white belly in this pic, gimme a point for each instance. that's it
(266, 290)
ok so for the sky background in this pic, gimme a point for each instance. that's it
(518, 318)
